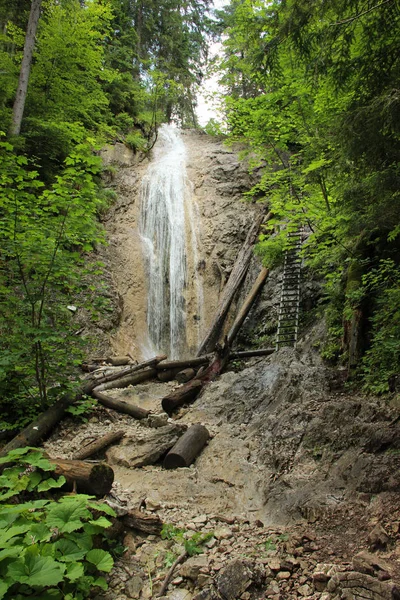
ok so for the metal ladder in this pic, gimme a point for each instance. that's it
(289, 305)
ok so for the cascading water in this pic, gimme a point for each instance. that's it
(168, 232)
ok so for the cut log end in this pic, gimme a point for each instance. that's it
(88, 478)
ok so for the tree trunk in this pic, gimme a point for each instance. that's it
(120, 405)
(185, 375)
(235, 280)
(248, 303)
(191, 390)
(131, 379)
(19, 103)
(94, 382)
(41, 427)
(96, 446)
(147, 523)
(251, 353)
(118, 361)
(181, 396)
(85, 477)
(167, 375)
(187, 447)
(183, 364)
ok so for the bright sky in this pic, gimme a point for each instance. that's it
(207, 108)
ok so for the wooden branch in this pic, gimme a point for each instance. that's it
(118, 361)
(152, 362)
(96, 446)
(187, 447)
(143, 522)
(131, 379)
(251, 353)
(235, 280)
(185, 375)
(85, 477)
(167, 375)
(183, 364)
(191, 390)
(248, 303)
(41, 427)
(121, 406)
(168, 576)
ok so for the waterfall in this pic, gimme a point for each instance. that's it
(168, 231)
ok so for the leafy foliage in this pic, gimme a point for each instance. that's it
(312, 97)
(47, 546)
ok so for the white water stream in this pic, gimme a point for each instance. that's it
(169, 233)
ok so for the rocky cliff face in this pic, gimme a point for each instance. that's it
(217, 179)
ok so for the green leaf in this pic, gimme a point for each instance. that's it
(69, 550)
(3, 589)
(101, 583)
(11, 552)
(74, 571)
(103, 507)
(67, 514)
(39, 533)
(36, 571)
(50, 483)
(101, 559)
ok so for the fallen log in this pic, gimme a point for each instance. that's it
(185, 375)
(248, 303)
(235, 280)
(187, 447)
(128, 370)
(121, 406)
(181, 396)
(85, 477)
(251, 353)
(131, 379)
(118, 361)
(41, 427)
(192, 389)
(183, 364)
(167, 375)
(143, 522)
(103, 442)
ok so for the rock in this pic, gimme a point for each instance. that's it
(361, 587)
(134, 587)
(157, 421)
(378, 539)
(283, 575)
(208, 594)
(223, 533)
(191, 568)
(367, 563)
(233, 580)
(137, 450)
(322, 574)
(180, 594)
(200, 520)
(274, 564)
(152, 504)
(305, 591)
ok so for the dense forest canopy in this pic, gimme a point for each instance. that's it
(312, 93)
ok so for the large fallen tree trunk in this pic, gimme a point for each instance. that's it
(131, 379)
(248, 303)
(235, 280)
(96, 446)
(191, 390)
(120, 405)
(184, 364)
(85, 477)
(187, 447)
(152, 362)
(251, 353)
(41, 427)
